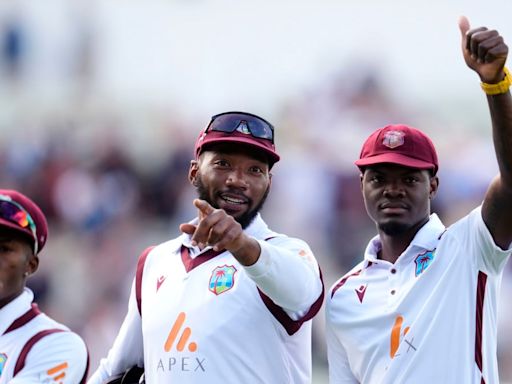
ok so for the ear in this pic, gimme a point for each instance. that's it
(434, 186)
(192, 171)
(32, 264)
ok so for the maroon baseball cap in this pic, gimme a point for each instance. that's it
(20, 213)
(399, 144)
(239, 128)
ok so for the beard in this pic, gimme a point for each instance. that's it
(394, 228)
(246, 218)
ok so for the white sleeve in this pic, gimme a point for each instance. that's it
(288, 273)
(127, 350)
(339, 367)
(493, 258)
(60, 357)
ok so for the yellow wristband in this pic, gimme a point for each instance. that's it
(498, 88)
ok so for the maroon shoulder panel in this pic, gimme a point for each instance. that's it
(20, 363)
(292, 326)
(138, 277)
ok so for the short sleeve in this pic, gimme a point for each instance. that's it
(59, 357)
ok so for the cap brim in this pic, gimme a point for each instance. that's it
(394, 158)
(273, 156)
(17, 228)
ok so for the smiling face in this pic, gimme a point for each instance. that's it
(234, 179)
(397, 198)
(17, 261)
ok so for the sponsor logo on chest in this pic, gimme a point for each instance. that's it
(184, 356)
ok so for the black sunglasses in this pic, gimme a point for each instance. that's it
(244, 122)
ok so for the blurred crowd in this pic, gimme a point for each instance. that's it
(112, 180)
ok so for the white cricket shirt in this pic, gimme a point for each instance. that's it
(36, 349)
(428, 318)
(207, 319)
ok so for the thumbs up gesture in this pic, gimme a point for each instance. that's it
(484, 51)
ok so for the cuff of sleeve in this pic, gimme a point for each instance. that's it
(262, 266)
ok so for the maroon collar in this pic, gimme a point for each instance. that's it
(24, 319)
(190, 263)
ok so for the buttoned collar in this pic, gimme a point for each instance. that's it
(15, 309)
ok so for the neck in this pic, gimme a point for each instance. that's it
(394, 245)
(6, 300)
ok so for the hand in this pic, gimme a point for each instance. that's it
(215, 228)
(484, 51)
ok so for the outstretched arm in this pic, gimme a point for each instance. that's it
(275, 266)
(485, 52)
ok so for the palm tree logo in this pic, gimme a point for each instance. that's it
(222, 279)
(423, 260)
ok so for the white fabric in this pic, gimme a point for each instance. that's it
(233, 337)
(426, 331)
(62, 355)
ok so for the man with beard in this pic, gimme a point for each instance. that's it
(421, 307)
(230, 300)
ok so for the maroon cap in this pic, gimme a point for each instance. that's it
(238, 128)
(10, 217)
(399, 144)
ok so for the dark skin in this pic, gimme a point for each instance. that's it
(17, 262)
(397, 199)
(236, 180)
(485, 52)
(400, 208)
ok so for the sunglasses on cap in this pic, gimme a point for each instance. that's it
(15, 213)
(247, 123)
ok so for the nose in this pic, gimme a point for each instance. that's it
(237, 179)
(393, 189)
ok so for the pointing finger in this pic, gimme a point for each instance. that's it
(205, 209)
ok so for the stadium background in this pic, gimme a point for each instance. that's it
(101, 101)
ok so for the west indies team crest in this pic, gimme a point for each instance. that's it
(393, 139)
(222, 279)
(423, 261)
(3, 360)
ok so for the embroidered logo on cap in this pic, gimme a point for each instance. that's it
(393, 139)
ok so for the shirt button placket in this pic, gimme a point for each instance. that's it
(393, 277)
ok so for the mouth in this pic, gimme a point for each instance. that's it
(393, 208)
(232, 202)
